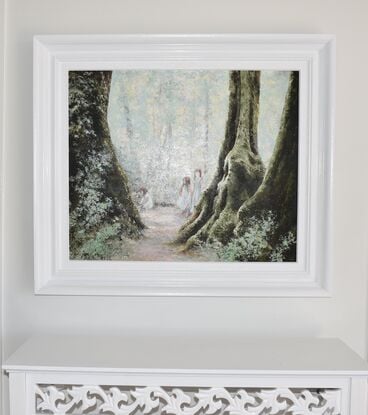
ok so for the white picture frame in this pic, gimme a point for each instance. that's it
(55, 55)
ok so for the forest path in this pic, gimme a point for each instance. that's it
(162, 225)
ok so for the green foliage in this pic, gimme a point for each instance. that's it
(102, 245)
(255, 244)
(89, 184)
(101, 210)
(286, 243)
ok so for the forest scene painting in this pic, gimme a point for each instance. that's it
(183, 165)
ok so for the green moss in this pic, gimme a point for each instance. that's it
(240, 169)
(102, 245)
(255, 242)
(99, 195)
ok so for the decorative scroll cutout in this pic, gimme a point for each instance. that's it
(114, 400)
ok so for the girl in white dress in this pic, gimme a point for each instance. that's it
(197, 188)
(185, 197)
(146, 201)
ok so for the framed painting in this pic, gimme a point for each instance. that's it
(192, 165)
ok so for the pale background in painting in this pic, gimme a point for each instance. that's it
(343, 315)
(145, 154)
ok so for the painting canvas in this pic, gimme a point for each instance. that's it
(183, 165)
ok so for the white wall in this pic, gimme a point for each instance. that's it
(344, 315)
(2, 100)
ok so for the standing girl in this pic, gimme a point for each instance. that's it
(185, 197)
(197, 188)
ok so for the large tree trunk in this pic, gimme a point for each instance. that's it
(206, 127)
(98, 188)
(240, 169)
(278, 191)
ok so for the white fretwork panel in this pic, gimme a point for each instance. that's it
(114, 400)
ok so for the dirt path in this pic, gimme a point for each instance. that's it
(162, 226)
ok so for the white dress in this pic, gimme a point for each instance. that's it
(147, 202)
(197, 190)
(184, 200)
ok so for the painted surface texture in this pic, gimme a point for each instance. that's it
(183, 165)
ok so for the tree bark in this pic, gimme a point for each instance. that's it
(240, 169)
(278, 191)
(206, 127)
(89, 139)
